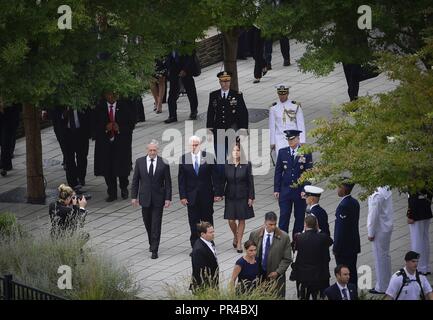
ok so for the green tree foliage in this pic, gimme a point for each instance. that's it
(330, 29)
(385, 139)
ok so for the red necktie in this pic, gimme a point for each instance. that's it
(111, 116)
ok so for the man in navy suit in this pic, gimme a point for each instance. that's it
(290, 166)
(346, 231)
(342, 289)
(199, 186)
(204, 259)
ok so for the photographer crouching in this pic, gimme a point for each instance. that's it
(68, 213)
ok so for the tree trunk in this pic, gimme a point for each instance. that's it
(230, 45)
(35, 176)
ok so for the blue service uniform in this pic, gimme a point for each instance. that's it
(287, 172)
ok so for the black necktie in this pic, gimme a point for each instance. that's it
(151, 168)
(224, 95)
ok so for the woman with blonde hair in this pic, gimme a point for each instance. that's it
(238, 183)
(68, 212)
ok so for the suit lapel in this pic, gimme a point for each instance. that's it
(145, 166)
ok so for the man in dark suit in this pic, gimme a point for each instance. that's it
(312, 196)
(199, 186)
(181, 67)
(226, 110)
(312, 260)
(346, 231)
(9, 122)
(204, 259)
(114, 122)
(76, 128)
(342, 289)
(152, 184)
(289, 168)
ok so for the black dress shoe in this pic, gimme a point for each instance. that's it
(190, 254)
(170, 120)
(154, 255)
(82, 182)
(111, 198)
(239, 250)
(374, 291)
(125, 194)
(4, 173)
(286, 63)
(193, 116)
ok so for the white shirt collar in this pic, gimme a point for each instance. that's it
(193, 155)
(341, 287)
(148, 159)
(210, 245)
(316, 204)
(226, 92)
(345, 197)
(266, 234)
(109, 104)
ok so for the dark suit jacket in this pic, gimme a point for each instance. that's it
(229, 113)
(287, 172)
(119, 150)
(346, 231)
(312, 260)
(419, 206)
(240, 186)
(151, 192)
(204, 265)
(334, 293)
(204, 185)
(322, 218)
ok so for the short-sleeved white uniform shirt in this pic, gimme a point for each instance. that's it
(411, 291)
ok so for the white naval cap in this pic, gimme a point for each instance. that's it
(282, 88)
(313, 191)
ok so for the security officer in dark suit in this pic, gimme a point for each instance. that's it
(346, 231)
(76, 128)
(226, 110)
(290, 166)
(9, 122)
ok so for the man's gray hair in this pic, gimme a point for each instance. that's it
(154, 142)
(194, 138)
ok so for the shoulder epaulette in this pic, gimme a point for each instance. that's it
(297, 103)
(240, 92)
(273, 104)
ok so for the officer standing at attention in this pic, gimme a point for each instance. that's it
(226, 110)
(408, 283)
(285, 115)
(289, 168)
(419, 215)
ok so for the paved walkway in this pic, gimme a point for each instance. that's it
(118, 229)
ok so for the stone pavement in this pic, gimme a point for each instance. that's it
(117, 228)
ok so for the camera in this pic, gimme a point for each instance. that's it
(80, 196)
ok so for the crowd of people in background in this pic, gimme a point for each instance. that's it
(227, 175)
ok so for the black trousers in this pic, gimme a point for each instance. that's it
(173, 95)
(350, 261)
(258, 49)
(352, 72)
(284, 46)
(152, 218)
(111, 178)
(202, 210)
(76, 151)
(9, 122)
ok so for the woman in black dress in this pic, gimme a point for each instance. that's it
(239, 194)
(246, 269)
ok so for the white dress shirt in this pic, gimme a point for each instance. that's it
(380, 212)
(341, 291)
(265, 237)
(149, 162)
(224, 92)
(194, 157)
(210, 245)
(114, 109)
